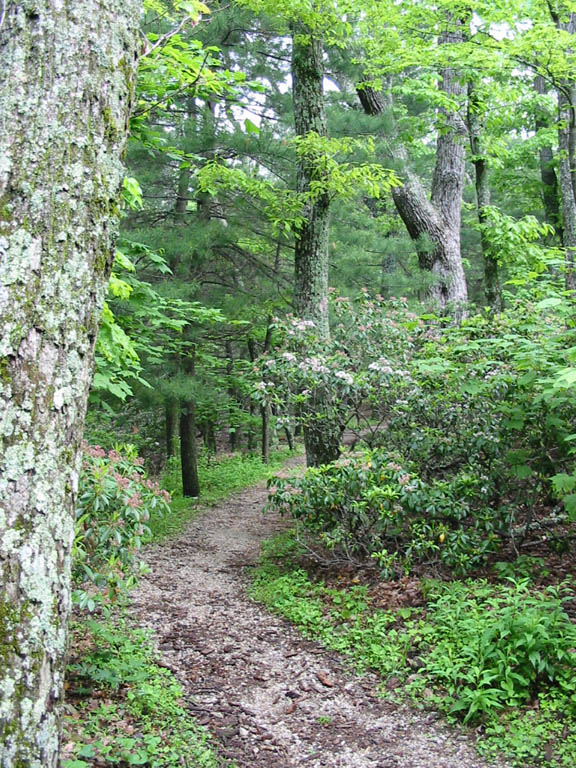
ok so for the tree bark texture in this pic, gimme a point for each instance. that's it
(492, 289)
(548, 177)
(566, 90)
(170, 421)
(66, 80)
(311, 246)
(434, 223)
(189, 450)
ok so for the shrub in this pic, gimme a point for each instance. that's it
(375, 504)
(115, 502)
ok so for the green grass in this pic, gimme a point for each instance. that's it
(220, 477)
(127, 710)
(497, 654)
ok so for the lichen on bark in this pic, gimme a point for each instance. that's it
(66, 77)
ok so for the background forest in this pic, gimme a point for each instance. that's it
(358, 225)
(349, 225)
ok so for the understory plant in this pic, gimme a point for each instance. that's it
(467, 429)
(369, 504)
(116, 500)
(127, 709)
(499, 655)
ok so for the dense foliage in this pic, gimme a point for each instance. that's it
(469, 429)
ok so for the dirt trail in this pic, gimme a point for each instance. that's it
(271, 698)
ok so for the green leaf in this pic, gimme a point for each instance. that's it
(548, 303)
(570, 505)
(251, 127)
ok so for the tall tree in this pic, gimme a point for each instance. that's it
(311, 246)
(481, 184)
(66, 80)
(432, 221)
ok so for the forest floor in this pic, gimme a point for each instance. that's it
(271, 698)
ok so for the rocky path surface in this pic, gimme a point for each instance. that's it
(271, 698)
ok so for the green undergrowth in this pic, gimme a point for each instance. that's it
(123, 709)
(499, 656)
(220, 477)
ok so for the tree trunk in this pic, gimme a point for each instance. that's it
(311, 245)
(251, 445)
(188, 442)
(66, 79)
(550, 197)
(567, 196)
(434, 224)
(170, 415)
(234, 433)
(491, 282)
(265, 413)
(189, 450)
(566, 150)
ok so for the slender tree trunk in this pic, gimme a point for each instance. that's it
(265, 413)
(491, 281)
(233, 425)
(251, 431)
(170, 420)
(189, 450)
(66, 77)
(548, 177)
(188, 430)
(311, 246)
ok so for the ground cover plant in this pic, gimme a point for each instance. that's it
(124, 709)
(497, 654)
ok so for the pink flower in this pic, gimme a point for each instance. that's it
(134, 501)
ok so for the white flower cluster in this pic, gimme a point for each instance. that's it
(382, 365)
(347, 377)
(263, 386)
(289, 357)
(301, 325)
(313, 365)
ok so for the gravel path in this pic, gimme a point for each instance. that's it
(271, 698)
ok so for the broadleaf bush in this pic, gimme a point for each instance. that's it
(115, 502)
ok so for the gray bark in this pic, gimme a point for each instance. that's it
(567, 196)
(491, 282)
(567, 151)
(66, 79)
(311, 246)
(434, 223)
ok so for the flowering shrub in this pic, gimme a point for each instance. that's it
(372, 504)
(115, 502)
(480, 415)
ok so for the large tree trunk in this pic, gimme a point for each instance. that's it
(434, 223)
(311, 246)
(566, 107)
(492, 289)
(66, 77)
